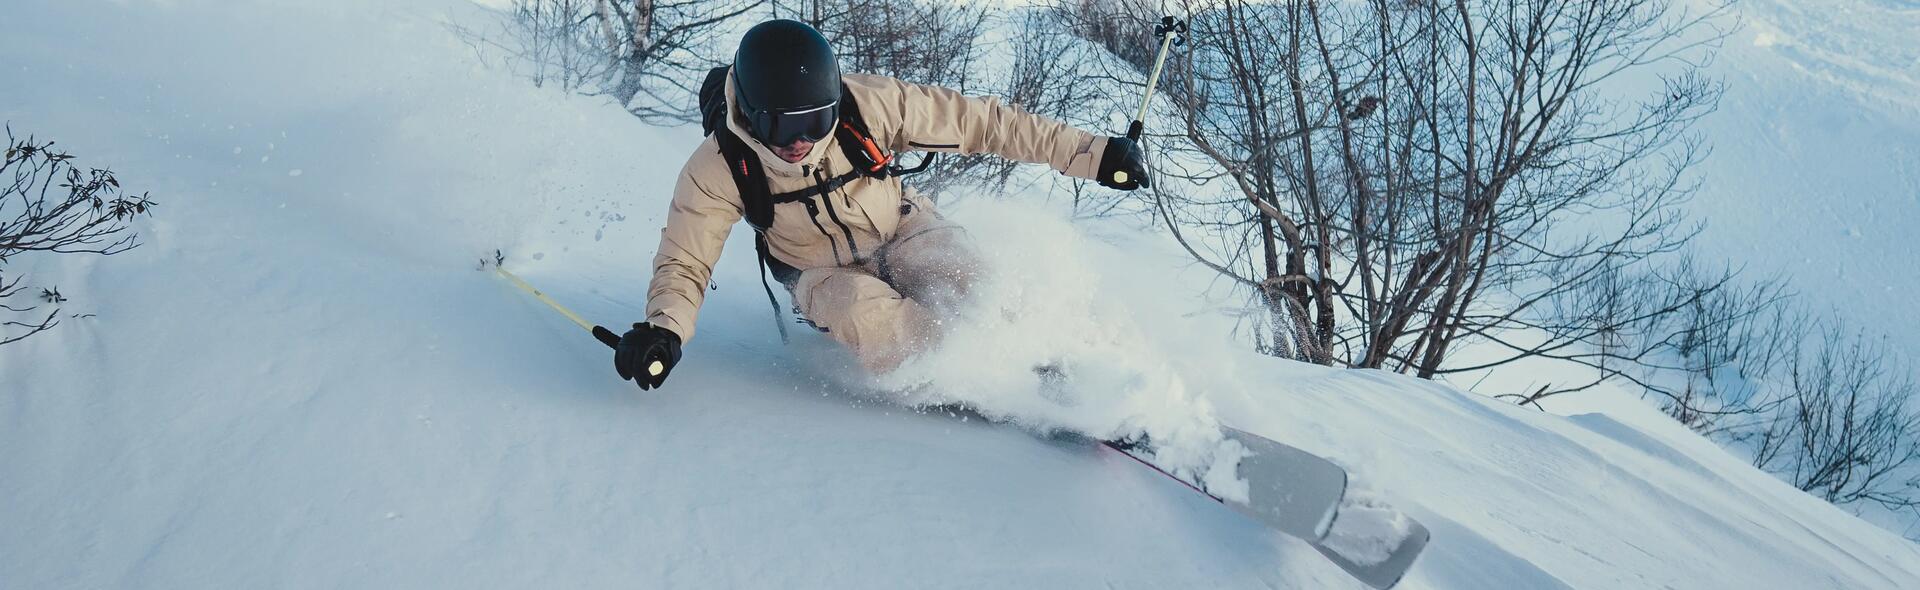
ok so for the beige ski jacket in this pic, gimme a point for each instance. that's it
(859, 217)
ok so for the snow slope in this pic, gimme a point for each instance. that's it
(1815, 173)
(300, 380)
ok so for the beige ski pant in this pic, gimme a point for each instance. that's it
(894, 305)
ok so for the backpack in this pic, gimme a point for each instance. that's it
(749, 177)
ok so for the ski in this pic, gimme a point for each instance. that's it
(1302, 495)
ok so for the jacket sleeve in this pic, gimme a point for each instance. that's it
(943, 120)
(698, 221)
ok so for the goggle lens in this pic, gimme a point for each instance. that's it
(781, 129)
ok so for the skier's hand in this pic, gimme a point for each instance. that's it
(646, 354)
(1123, 166)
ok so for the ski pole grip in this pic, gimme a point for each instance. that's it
(612, 340)
(606, 337)
(1134, 130)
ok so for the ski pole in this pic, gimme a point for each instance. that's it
(604, 335)
(1171, 31)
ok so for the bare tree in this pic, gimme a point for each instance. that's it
(50, 205)
(1124, 28)
(1727, 338)
(1392, 178)
(1694, 337)
(662, 47)
(1045, 79)
(1101, 77)
(1847, 432)
(648, 55)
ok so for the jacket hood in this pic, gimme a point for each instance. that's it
(773, 164)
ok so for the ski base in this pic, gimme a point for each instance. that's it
(1299, 493)
(1291, 490)
(1385, 574)
(1288, 489)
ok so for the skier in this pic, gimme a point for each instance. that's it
(804, 153)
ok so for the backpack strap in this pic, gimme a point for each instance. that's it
(749, 178)
(856, 140)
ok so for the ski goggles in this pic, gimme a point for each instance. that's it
(781, 128)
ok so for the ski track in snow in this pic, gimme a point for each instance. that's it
(300, 380)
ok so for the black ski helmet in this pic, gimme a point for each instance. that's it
(787, 82)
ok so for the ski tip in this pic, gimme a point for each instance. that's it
(1386, 573)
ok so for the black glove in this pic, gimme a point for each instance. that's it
(640, 348)
(1123, 157)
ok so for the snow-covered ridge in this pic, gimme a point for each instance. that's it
(1844, 44)
(301, 381)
